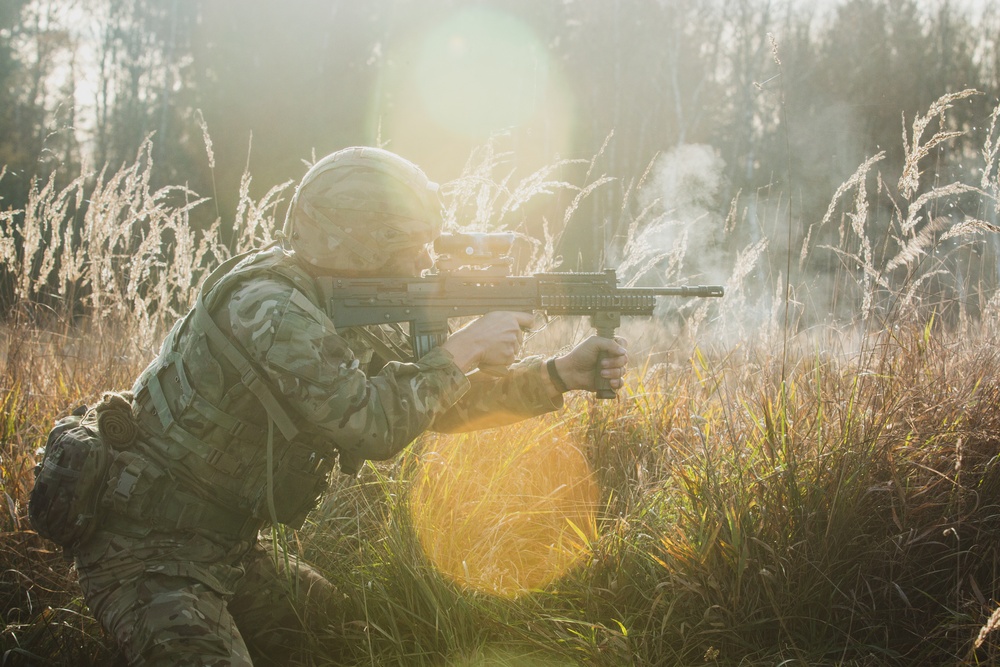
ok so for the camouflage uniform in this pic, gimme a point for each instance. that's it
(176, 573)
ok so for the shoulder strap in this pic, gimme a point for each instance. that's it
(294, 273)
(249, 374)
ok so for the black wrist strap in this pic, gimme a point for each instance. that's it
(557, 380)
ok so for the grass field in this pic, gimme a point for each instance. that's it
(771, 488)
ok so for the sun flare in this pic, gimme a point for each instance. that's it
(504, 512)
(475, 74)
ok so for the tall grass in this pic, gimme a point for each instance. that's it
(765, 491)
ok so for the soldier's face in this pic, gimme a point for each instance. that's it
(409, 263)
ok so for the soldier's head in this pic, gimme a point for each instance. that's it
(364, 210)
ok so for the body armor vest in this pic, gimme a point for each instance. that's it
(199, 408)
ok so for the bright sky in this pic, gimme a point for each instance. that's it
(976, 7)
(503, 47)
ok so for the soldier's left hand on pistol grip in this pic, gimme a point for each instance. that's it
(577, 367)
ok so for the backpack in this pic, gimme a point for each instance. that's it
(65, 503)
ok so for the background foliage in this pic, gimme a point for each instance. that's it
(803, 472)
(785, 96)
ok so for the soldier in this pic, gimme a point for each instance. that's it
(255, 396)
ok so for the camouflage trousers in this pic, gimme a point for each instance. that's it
(174, 599)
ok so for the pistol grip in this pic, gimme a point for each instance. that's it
(604, 389)
(605, 324)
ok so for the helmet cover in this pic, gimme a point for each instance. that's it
(358, 207)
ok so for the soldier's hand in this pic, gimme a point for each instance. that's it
(578, 367)
(492, 340)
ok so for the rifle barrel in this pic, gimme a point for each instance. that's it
(689, 290)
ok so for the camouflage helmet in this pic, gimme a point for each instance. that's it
(356, 208)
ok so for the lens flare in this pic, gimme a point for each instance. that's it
(504, 511)
(481, 71)
(475, 74)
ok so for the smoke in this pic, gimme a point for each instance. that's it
(687, 180)
(688, 233)
(678, 236)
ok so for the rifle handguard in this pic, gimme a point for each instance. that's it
(428, 302)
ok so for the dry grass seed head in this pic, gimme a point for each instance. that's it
(909, 180)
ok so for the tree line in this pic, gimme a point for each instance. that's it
(787, 99)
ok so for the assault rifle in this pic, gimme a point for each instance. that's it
(473, 278)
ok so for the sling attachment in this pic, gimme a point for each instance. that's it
(383, 345)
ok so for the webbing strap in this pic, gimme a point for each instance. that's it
(250, 376)
(215, 457)
(186, 512)
(159, 401)
(236, 427)
(180, 510)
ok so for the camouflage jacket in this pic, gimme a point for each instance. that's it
(202, 422)
(324, 374)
